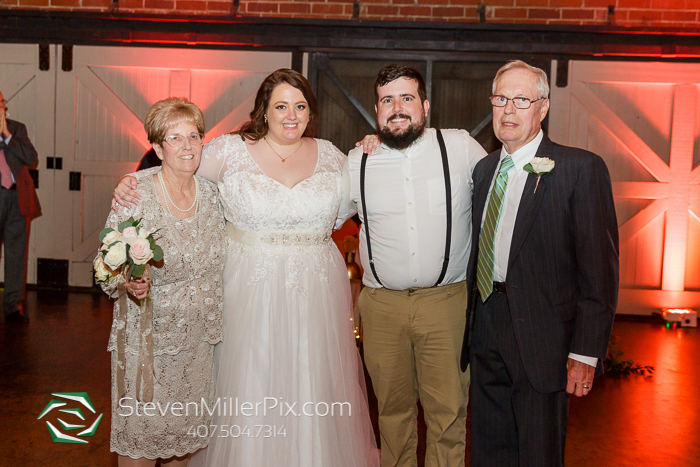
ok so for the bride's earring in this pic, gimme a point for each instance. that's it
(265, 117)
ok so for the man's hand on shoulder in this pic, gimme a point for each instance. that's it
(369, 143)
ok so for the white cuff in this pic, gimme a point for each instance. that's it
(590, 361)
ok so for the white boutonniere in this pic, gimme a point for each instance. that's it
(539, 166)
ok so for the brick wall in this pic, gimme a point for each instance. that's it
(655, 13)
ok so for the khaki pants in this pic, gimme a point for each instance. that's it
(412, 342)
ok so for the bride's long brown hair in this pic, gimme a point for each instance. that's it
(255, 128)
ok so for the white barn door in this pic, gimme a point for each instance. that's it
(30, 95)
(100, 108)
(643, 119)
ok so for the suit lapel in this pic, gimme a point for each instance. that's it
(482, 187)
(481, 191)
(529, 204)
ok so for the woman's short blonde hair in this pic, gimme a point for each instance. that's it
(168, 113)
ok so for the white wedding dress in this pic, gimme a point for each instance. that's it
(290, 380)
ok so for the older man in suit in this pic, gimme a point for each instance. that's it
(18, 205)
(544, 274)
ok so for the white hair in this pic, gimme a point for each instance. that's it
(542, 83)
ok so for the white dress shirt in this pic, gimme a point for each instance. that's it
(405, 195)
(517, 177)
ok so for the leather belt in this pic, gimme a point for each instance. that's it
(499, 287)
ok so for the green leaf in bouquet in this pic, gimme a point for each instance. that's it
(127, 223)
(157, 253)
(117, 241)
(104, 233)
(137, 270)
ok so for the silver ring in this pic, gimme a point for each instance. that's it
(585, 386)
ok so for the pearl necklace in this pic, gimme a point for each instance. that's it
(278, 155)
(168, 198)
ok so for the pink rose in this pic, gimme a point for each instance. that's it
(140, 251)
(130, 234)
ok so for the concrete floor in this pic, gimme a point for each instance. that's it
(631, 421)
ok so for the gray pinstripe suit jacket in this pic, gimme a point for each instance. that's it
(563, 269)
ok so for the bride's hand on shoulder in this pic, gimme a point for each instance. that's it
(124, 193)
(369, 143)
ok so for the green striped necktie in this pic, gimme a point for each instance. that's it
(487, 259)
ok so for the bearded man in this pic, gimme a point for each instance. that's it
(413, 195)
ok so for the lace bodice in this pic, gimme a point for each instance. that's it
(255, 202)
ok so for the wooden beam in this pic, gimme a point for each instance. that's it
(640, 190)
(619, 130)
(641, 219)
(556, 41)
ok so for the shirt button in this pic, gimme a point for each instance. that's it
(413, 254)
(406, 179)
(415, 280)
(411, 228)
(410, 203)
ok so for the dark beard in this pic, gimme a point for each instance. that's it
(403, 139)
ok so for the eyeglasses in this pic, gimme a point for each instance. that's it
(521, 103)
(177, 141)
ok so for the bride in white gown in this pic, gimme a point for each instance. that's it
(290, 382)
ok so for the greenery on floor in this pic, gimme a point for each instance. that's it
(615, 365)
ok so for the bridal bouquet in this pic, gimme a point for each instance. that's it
(130, 245)
(127, 250)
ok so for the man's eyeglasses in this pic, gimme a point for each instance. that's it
(177, 141)
(521, 103)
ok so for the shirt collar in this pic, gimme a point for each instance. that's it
(525, 154)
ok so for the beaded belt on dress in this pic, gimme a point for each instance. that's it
(276, 238)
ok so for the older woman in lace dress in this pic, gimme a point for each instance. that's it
(186, 289)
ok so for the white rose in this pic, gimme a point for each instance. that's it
(140, 251)
(144, 233)
(116, 255)
(542, 165)
(102, 272)
(129, 234)
(112, 237)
